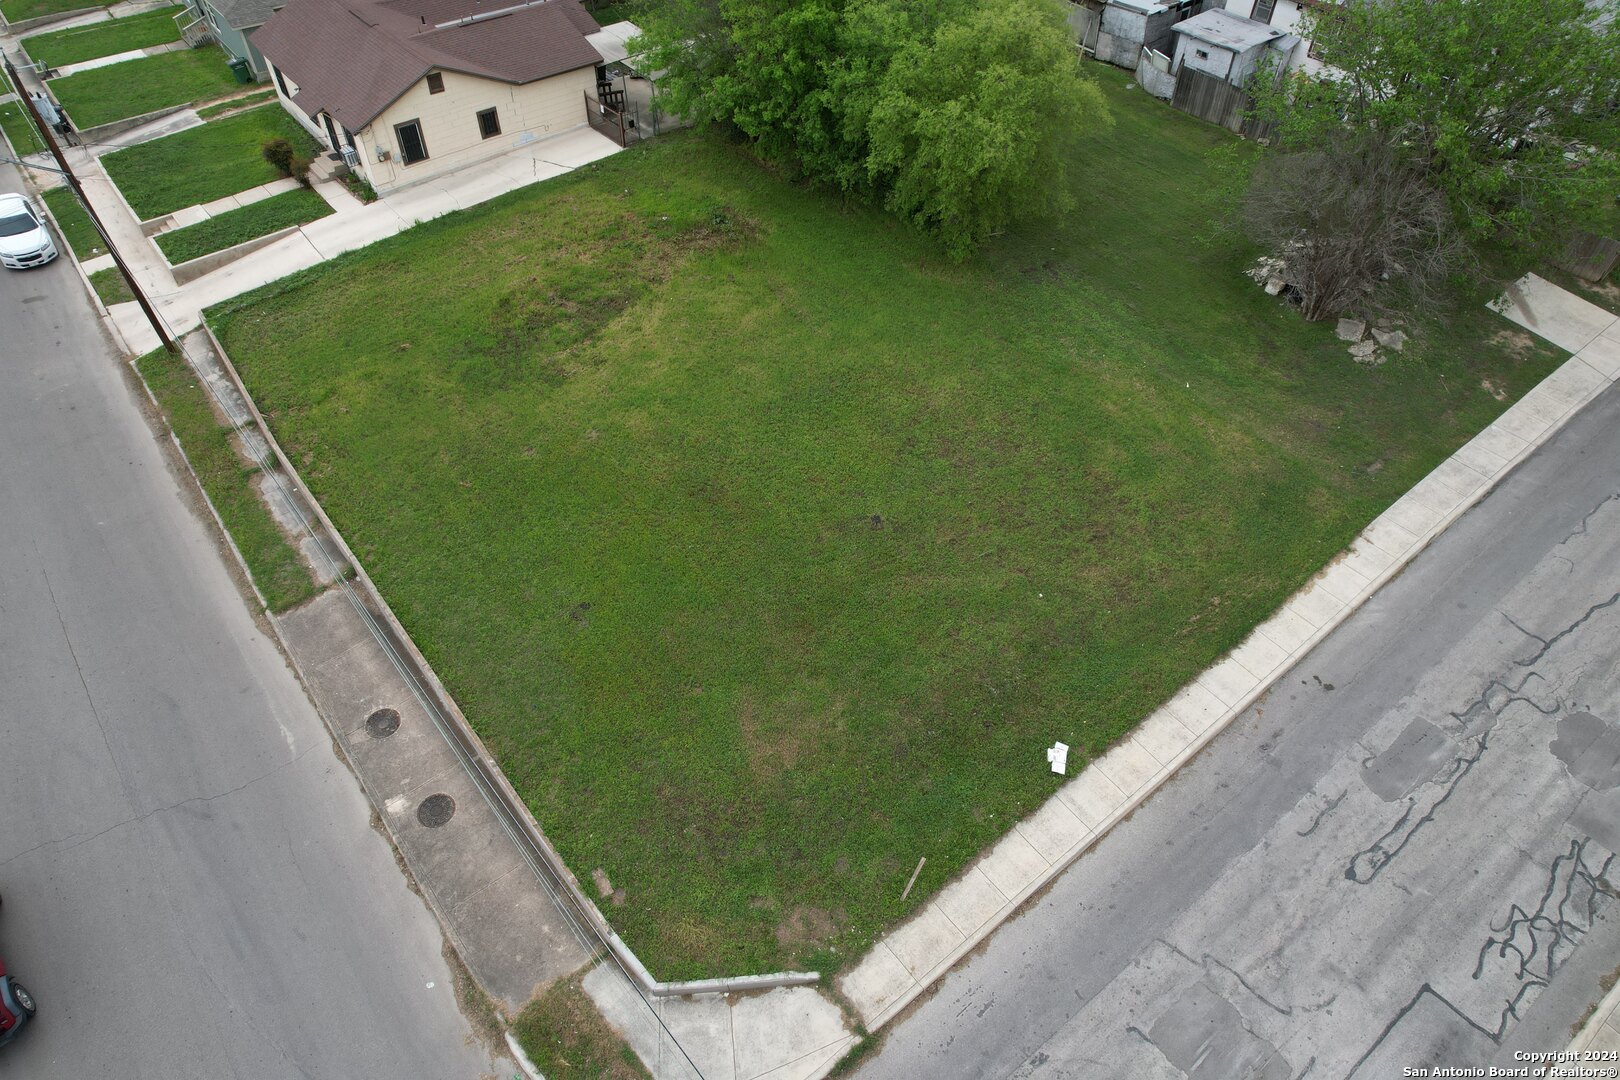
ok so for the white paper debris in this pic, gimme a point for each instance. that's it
(1058, 755)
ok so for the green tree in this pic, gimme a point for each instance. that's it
(958, 114)
(1510, 108)
(978, 125)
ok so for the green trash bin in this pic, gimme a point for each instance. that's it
(241, 69)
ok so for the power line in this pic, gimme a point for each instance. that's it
(78, 192)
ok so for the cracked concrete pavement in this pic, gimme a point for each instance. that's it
(1402, 855)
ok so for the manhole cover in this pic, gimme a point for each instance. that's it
(382, 723)
(436, 810)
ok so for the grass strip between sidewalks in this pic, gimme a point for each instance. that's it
(259, 97)
(111, 287)
(276, 566)
(74, 224)
(17, 125)
(567, 1039)
(239, 226)
(58, 48)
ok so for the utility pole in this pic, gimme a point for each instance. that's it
(78, 192)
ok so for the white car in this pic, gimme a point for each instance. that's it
(25, 240)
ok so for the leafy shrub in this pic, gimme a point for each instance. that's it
(279, 153)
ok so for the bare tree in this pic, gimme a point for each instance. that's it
(1354, 225)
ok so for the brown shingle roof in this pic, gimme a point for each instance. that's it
(354, 58)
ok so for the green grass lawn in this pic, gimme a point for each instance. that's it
(768, 551)
(17, 10)
(238, 226)
(111, 286)
(14, 121)
(60, 47)
(75, 224)
(276, 567)
(135, 87)
(204, 163)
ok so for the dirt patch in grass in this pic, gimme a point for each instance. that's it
(1515, 343)
(566, 1037)
(805, 928)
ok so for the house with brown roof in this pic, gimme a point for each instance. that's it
(408, 89)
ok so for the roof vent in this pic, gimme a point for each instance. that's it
(483, 15)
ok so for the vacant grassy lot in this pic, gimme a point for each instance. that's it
(239, 226)
(204, 163)
(276, 567)
(768, 551)
(59, 47)
(18, 10)
(75, 224)
(134, 87)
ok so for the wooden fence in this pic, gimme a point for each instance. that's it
(1590, 256)
(1217, 101)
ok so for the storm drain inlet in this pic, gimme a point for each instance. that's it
(436, 810)
(382, 723)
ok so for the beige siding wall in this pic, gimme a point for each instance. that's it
(449, 122)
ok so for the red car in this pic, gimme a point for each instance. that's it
(16, 1006)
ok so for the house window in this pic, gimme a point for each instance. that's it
(1202, 54)
(281, 82)
(435, 83)
(489, 124)
(1263, 10)
(412, 148)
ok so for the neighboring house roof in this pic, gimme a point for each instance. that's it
(613, 40)
(354, 58)
(1224, 30)
(245, 14)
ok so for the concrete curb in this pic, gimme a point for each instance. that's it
(192, 269)
(476, 758)
(916, 954)
(113, 128)
(521, 1056)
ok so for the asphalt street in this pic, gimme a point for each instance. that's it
(1403, 856)
(192, 885)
